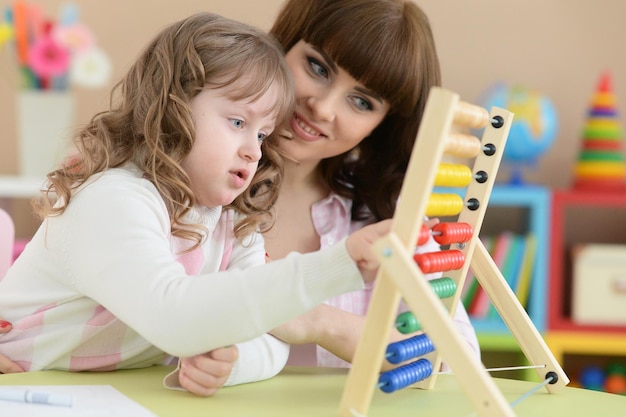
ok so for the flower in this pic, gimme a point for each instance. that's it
(47, 58)
(6, 33)
(90, 68)
(53, 54)
(76, 37)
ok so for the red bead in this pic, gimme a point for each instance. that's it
(439, 261)
(447, 233)
(424, 235)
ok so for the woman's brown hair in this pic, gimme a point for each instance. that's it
(388, 46)
(149, 122)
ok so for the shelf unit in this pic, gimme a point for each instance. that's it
(577, 350)
(580, 217)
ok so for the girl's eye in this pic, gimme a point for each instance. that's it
(317, 67)
(238, 123)
(362, 104)
(261, 137)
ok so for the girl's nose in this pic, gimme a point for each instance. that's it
(251, 150)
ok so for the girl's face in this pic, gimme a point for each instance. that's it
(334, 112)
(227, 146)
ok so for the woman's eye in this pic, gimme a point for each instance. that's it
(362, 104)
(238, 123)
(318, 68)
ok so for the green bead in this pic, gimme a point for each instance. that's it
(444, 287)
(407, 323)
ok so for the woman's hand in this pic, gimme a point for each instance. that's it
(205, 374)
(6, 365)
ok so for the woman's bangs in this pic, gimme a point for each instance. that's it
(377, 59)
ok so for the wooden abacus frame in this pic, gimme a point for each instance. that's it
(400, 277)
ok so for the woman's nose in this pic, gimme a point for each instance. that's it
(322, 107)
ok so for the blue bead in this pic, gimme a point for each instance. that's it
(404, 350)
(405, 375)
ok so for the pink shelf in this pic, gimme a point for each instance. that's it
(559, 317)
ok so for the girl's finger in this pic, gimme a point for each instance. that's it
(5, 326)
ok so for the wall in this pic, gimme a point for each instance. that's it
(558, 47)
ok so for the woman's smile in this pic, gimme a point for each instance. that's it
(304, 130)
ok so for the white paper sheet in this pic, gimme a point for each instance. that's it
(89, 401)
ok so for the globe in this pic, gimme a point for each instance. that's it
(534, 128)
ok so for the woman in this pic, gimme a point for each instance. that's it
(361, 89)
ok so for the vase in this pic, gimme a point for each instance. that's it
(44, 126)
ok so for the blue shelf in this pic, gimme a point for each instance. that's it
(537, 200)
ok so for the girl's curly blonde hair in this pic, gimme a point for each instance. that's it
(149, 121)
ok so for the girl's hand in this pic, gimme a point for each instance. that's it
(6, 365)
(205, 374)
(359, 246)
(432, 222)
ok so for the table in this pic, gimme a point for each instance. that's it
(308, 392)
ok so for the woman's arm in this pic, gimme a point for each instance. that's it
(339, 331)
(335, 330)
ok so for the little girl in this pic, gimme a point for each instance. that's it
(150, 245)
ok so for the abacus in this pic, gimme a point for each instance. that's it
(432, 304)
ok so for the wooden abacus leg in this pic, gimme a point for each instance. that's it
(357, 395)
(508, 306)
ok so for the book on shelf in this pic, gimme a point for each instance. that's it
(479, 305)
(472, 287)
(514, 255)
(528, 264)
(511, 266)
